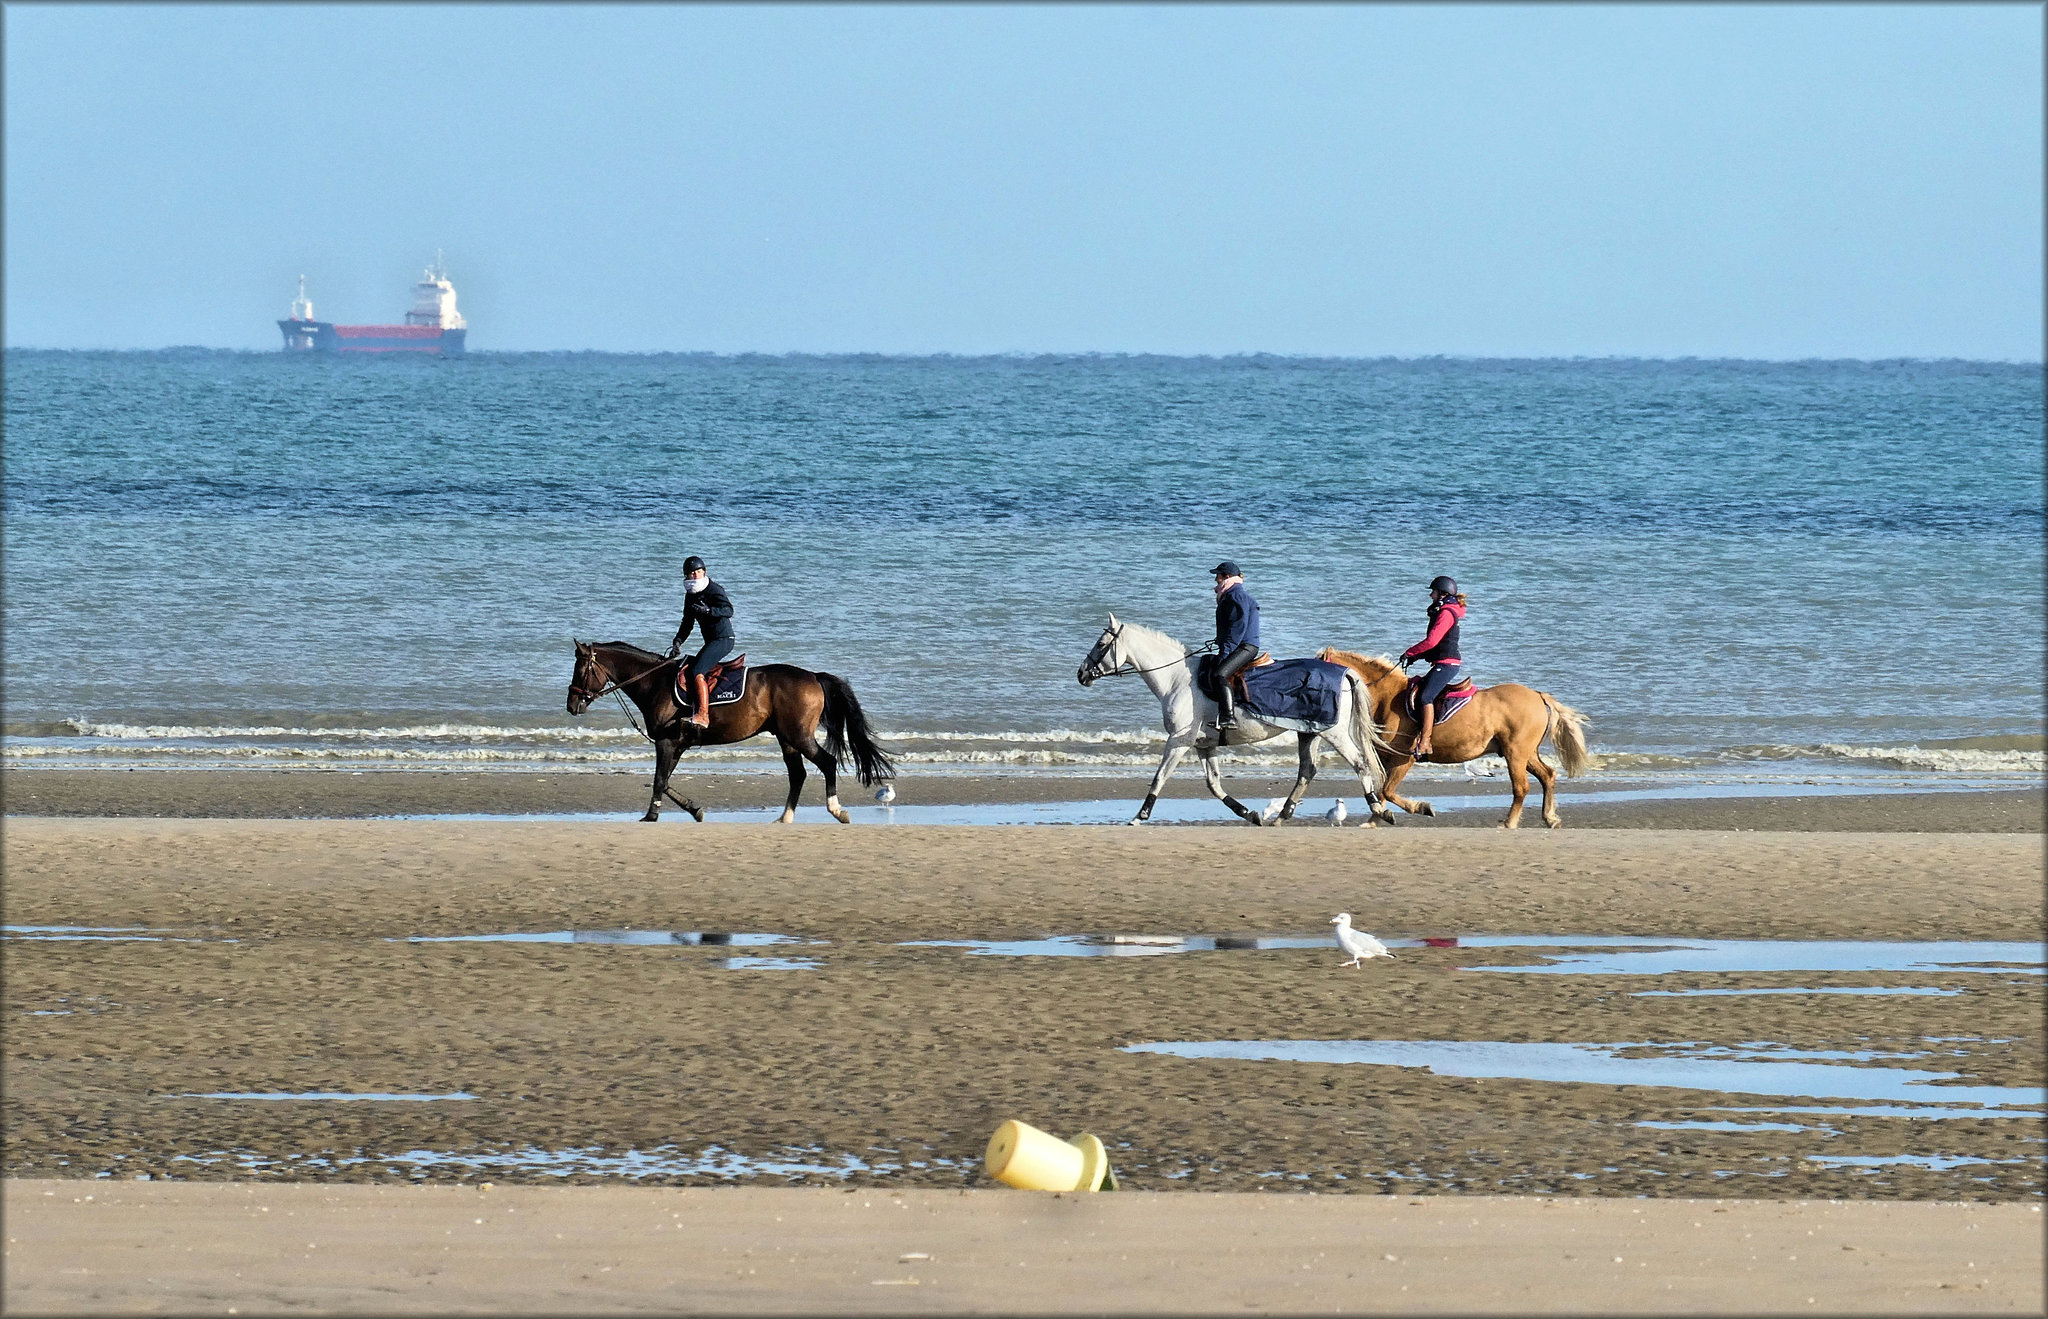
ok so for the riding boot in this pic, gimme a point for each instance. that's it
(1226, 706)
(700, 687)
(1422, 747)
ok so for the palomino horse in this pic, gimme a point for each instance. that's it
(1510, 719)
(780, 699)
(1169, 670)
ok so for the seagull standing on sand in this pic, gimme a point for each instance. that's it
(1336, 816)
(886, 794)
(1272, 811)
(1356, 942)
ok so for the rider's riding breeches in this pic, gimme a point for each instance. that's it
(713, 652)
(1439, 677)
(1228, 667)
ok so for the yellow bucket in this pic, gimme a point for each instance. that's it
(1022, 1156)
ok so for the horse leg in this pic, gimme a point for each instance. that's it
(665, 753)
(1174, 751)
(1303, 776)
(1214, 778)
(1395, 773)
(1518, 783)
(1548, 778)
(830, 770)
(793, 761)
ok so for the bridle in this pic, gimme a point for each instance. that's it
(614, 689)
(1130, 667)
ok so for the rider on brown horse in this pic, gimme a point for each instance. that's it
(710, 609)
(1440, 648)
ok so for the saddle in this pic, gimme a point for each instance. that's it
(1448, 704)
(728, 679)
(1205, 675)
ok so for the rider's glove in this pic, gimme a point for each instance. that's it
(674, 651)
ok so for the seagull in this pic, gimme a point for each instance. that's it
(1336, 814)
(1356, 942)
(1272, 811)
(1472, 777)
(886, 793)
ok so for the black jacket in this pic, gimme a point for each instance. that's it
(709, 610)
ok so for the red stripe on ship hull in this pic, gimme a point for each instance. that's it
(388, 331)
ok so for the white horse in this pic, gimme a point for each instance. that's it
(1168, 668)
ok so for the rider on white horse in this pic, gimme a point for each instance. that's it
(1168, 669)
(1237, 638)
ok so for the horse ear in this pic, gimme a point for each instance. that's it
(1112, 620)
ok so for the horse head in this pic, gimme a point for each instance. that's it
(1106, 657)
(588, 679)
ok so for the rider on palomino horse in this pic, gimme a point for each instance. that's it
(1440, 648)
(1237, 637)
(709, 608)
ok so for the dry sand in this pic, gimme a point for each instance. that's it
(294, 974)
(276, 1248)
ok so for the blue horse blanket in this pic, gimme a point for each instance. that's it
(1301, 691)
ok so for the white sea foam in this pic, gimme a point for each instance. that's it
(1939, 759)
(82, 740)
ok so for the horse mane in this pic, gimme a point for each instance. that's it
(626, 646)
(1371, 667)
(1141, 630)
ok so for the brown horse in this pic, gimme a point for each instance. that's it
(780, 699)
(1509, 719)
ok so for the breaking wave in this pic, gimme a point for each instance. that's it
(83, 741)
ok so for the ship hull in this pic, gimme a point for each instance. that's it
(324, 337)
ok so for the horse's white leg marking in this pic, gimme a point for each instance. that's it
(838, 811)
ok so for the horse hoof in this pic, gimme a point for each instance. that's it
(650, 818)
(842, 817)
(1554, 824)
(1424, 808)
(698, 816)
(1135, 821)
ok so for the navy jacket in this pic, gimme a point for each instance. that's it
(1237, 619)
(710, 610)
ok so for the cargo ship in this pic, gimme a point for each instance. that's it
(432, 326)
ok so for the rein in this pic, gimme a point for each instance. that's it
(615, 689)
(1133, 671)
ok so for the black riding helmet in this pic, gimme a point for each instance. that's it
(695, 564)
(1444, 586)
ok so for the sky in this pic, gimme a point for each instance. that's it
(1774, 181)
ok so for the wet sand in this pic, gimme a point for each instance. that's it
(921, 1051)
(343, 794)
(520, 1249)
(282, 965)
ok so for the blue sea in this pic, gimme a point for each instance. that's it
(1730, 567)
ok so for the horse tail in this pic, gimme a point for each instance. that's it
(846, 729)
(1567, 732)
(1364, 731)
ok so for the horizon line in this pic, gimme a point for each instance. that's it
(1039, 354)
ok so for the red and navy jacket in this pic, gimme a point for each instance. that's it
(1441, 645)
